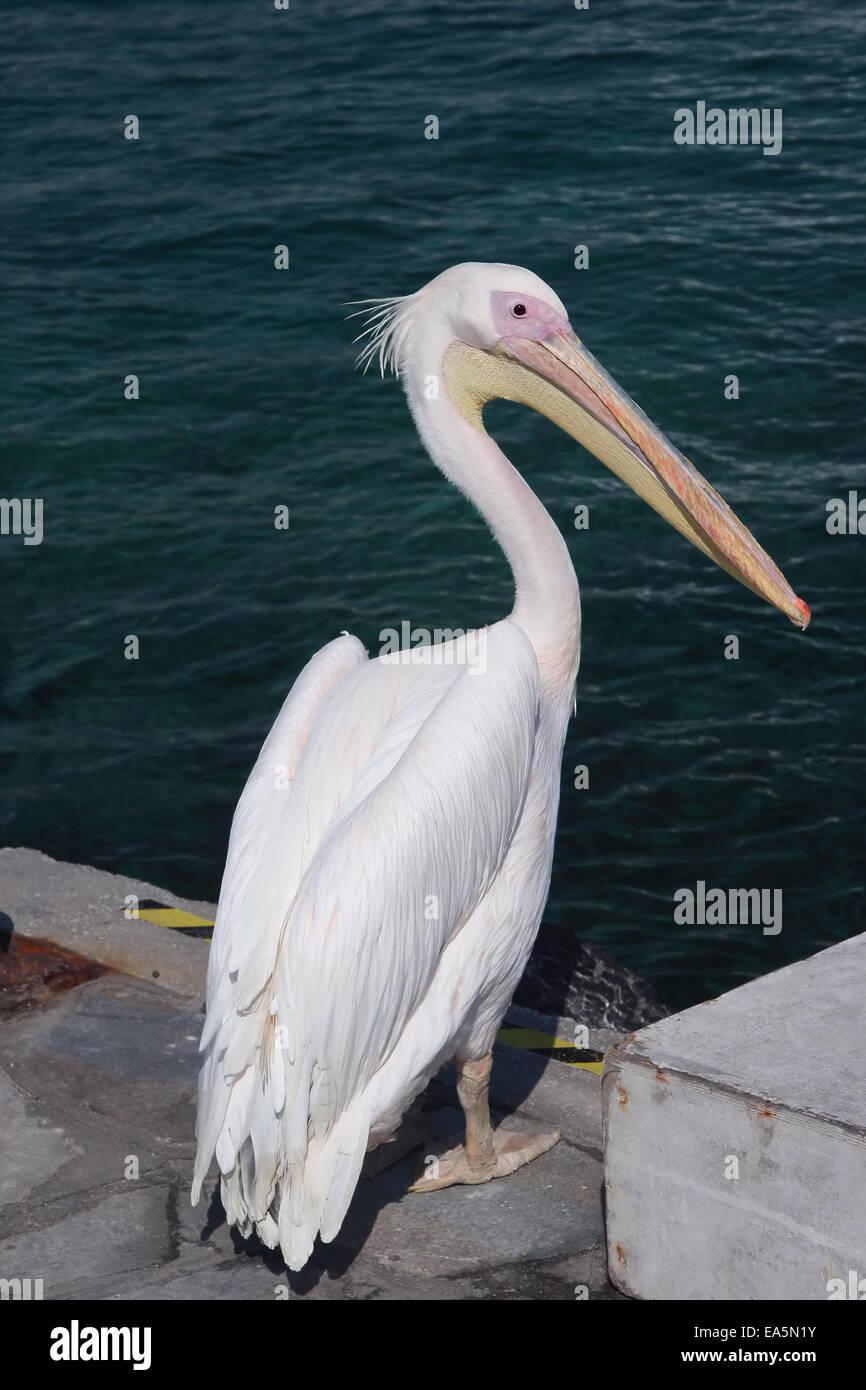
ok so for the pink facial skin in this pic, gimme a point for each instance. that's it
(536, 322)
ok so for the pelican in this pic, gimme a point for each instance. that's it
(390, 855)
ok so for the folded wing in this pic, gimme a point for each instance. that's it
(346, 878)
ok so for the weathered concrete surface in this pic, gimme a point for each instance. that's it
(34, 969)
(767, 1081)
(82, 909)
(100, 1083)
(97, 1106)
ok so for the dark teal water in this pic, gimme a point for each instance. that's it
(556, 128)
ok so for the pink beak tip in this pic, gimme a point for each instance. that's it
(803, 610)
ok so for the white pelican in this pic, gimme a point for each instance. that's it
(390, 855)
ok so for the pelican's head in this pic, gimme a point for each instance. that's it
(498, 331)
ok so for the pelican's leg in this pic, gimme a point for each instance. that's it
(487, 1152)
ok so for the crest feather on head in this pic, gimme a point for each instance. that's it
(386, 329)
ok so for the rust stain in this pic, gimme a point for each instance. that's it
(623, 1096)
(32, 970)
(660, 1076)
(620, 1255)
(764, 1122)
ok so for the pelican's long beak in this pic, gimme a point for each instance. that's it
(567, 384)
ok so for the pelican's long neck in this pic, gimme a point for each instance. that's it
(547, 602)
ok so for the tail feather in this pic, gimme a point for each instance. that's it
(344, 1180)
(276, 1178)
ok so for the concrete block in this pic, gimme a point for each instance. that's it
(735, 1140)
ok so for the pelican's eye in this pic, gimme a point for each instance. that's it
(517, 314)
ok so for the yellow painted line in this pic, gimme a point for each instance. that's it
(530, 1040)
(172, 917)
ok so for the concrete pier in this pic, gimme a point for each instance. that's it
(97, 1115)
(734, 1133)
(735, 1141)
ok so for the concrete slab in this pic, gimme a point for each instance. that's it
(735, 1140)
(32, 1149)
(100, 1082)
(82, 909)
